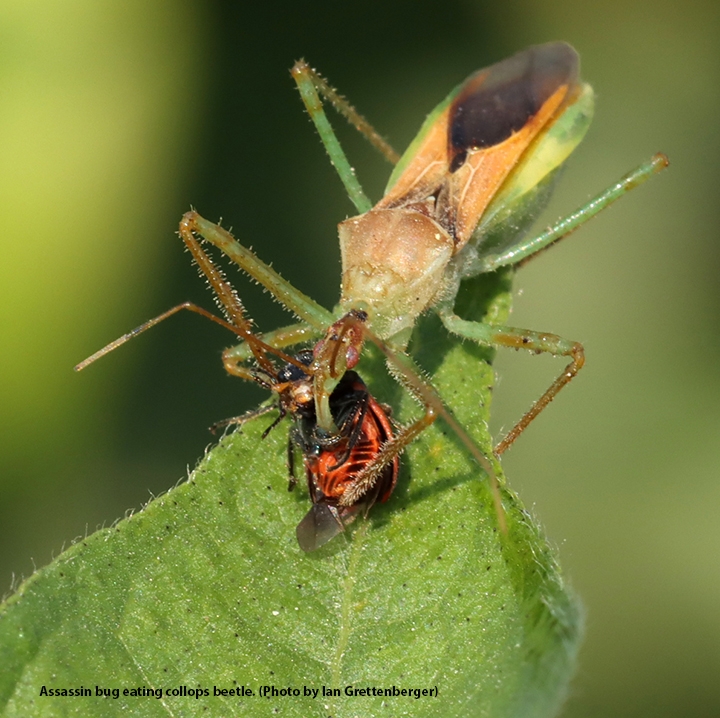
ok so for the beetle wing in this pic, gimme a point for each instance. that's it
(321, 524)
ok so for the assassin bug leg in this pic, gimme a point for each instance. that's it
(310, 83)
(308, 80)
(518, 255)
(312, 102)
(535, 342)
(279, 338)
(149, 324)
(301, 305)
(243, 372)
(230, 303)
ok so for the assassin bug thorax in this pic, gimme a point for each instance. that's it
(457, 205)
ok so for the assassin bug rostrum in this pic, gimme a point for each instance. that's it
(456, 207)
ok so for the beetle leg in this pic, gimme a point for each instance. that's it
(243, 418)
(355, 422)
(292, 479)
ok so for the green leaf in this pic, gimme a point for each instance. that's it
(207, 588)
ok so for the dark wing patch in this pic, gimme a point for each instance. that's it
(500, 99)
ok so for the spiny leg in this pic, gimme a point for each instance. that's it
(149, 324)
(293, 299)
(538, 342)
(278, 339)
(310, 83)
(337, 155)
(367, 478)
(520, 254)
(230, 303)
(302, 72)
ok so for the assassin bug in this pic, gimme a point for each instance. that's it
(457, 205)
(331, 462)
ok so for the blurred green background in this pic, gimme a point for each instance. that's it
(116, 117)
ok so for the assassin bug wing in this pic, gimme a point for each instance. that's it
(527, 189)
(474, 139)
(424, 164)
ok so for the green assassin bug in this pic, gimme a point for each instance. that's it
(456, 206)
